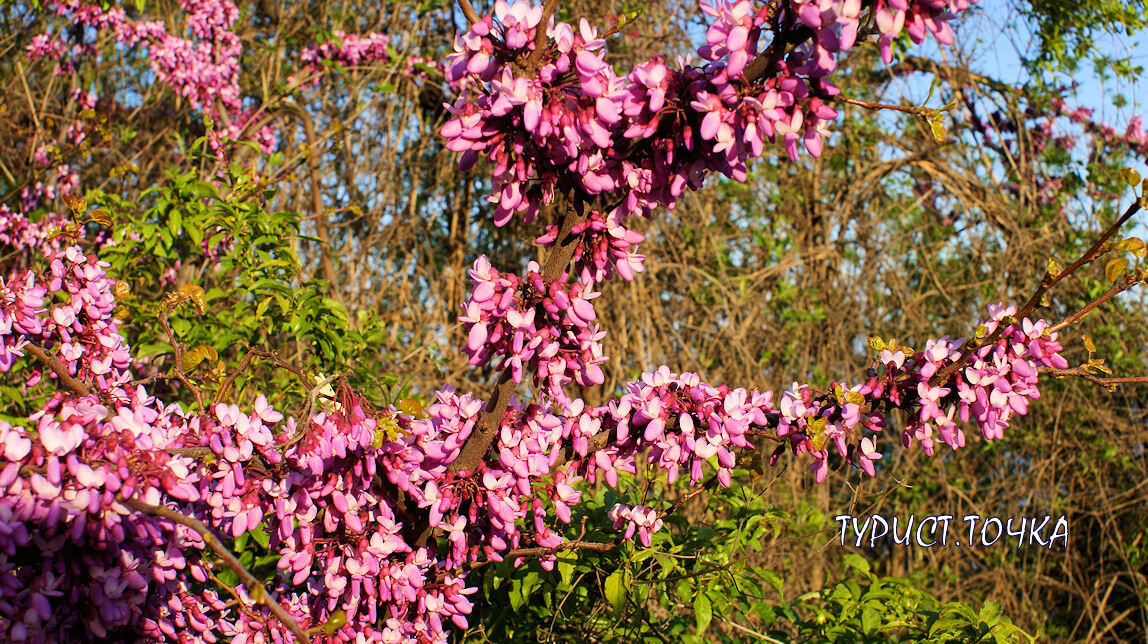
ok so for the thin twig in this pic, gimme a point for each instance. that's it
(178, 363)
(318, 211)
(304, 415)
(226, 385)
(32, 107)
(1082, 372)
(1123, 285)
(869, 105)
(689, 575)
(577, 544)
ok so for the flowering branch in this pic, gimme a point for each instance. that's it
(1051, 278)
(77, 387)
(254, 587)
(484, 432)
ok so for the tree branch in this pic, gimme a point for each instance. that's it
(1082, 372)
(254, 587)
(61, 371)
(577, 544)
(1128, 282)
(317, 209)
(468, 11)
(488, 423)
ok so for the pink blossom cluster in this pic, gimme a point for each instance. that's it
(37, 193)
(534, 324)
(204, 68)
(605, 248)
(640, 140)
(1133, 137)
(77, 563)
(481, 511)
(345, 49)
(17, 231)
(644, 520)
(996, 383)
(203, 65)
(1062, 128)
(918, 19)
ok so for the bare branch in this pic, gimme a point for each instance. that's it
(468, 11)
(1046, 284)
(1082, 372)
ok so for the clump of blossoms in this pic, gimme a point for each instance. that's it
(77, 563)
(202, 64)
(641, 139)
(533, 322)
(344, 49)
(203, 68)
(605, 248)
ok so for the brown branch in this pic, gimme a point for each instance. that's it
(577, 544)
(468, 11)
(869, 105)
(178, 349)
(689, 575)
(61, 371)
(254, 587)
(318, 211)
(542, 552)
(278, 362)
(479, 441)
(226, 384)
(1082, 372)
(1128, 282)
(540, 37)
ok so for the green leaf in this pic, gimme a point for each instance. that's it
(615, 587)
(260, 535)
(990, 613)
(703, 612)
(855, 560)
(1114, 271)
(870, 620)
(1130, 176)
(566, 570)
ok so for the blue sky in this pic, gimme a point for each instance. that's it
(1002, 38)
